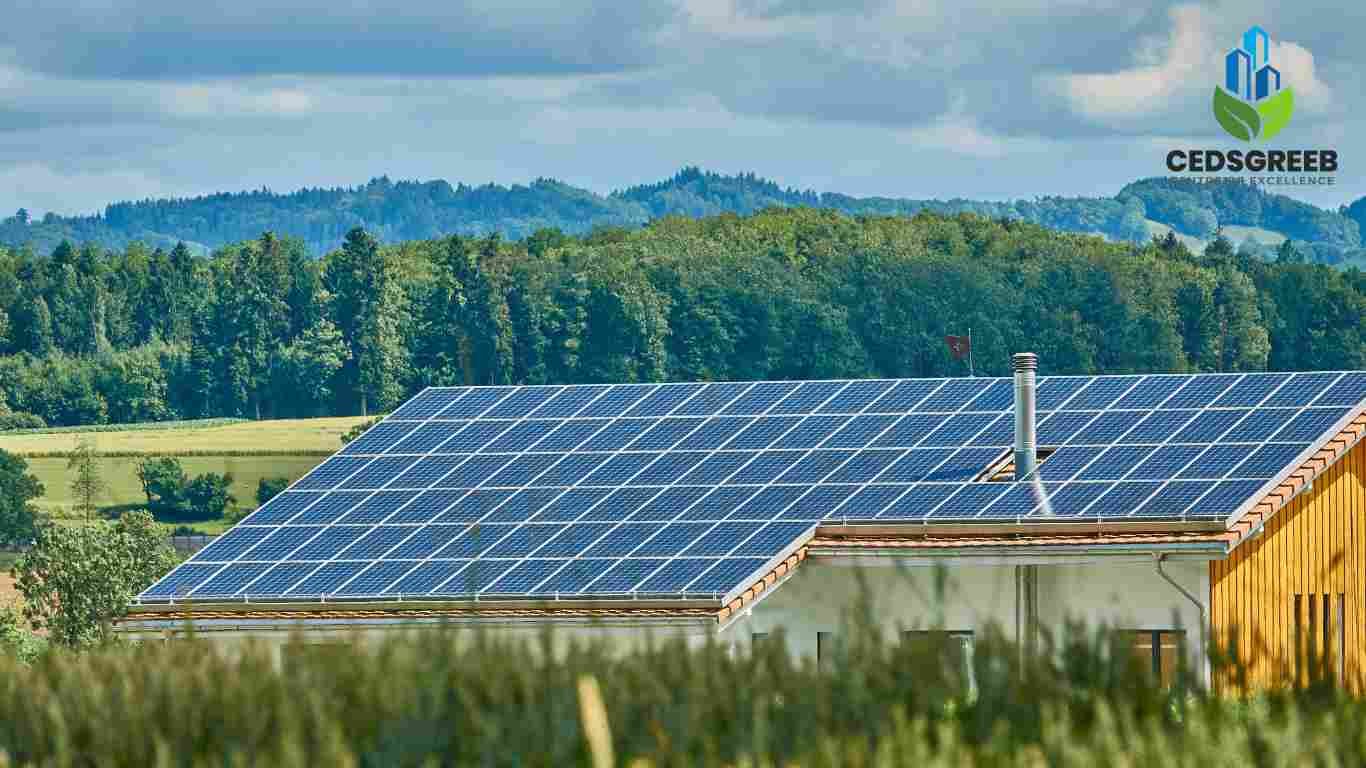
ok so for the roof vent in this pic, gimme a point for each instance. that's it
(1026, 446)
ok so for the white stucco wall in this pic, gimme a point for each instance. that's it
(1121, 592)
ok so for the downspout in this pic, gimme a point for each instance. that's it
(1158, 558)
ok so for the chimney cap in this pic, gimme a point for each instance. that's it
(1024, 361)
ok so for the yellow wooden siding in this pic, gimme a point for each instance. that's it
(1314, 546)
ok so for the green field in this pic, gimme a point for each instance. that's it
(248, 450)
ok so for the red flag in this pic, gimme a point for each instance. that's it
(959, 346)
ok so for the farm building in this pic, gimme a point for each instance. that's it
(1180, 508)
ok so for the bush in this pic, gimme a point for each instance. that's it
(18, 517)
(269, 487)
(207, 496)
(11, 422)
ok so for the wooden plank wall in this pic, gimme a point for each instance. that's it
(1315, 545)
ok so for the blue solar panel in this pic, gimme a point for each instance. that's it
(1200, 391)
(281, 508)
(1309, 424)
(857, 396)
(372, 508)
(860, 431)
(1268, 460)
(519, 437)
(711, 399)
(1150, 392)
(917, 502)
(1115, 463)
(1173, 499)
(1210, 426)
(1072, 499)
(426, 576)
(953, 396)
(475, 403)
(765, 467)
(1259, 425)
(664, 400)
(1107, 428)
(905, 396)
(664, 434)
(230, 580)
(863, 466)
(1302, 389)
(428, 403)
(715, 432)
(1101, 393)
(808, 397)
(568, 401)
(1217, 461)
(716, 468)
(616, 401)
(380, 437)
(760, 398)
(520, 403)
(1058, 391)
(910, 430)
(1065, 463)
(473, 506)
(761, 433)
(686, 489)
(1350, 390)
(570, 434)
(1251, 390)
(969, 501)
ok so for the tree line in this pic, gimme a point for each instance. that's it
(261, 329)
(409, 210)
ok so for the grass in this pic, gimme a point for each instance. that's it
(248, 450)
(1238, 234)
(441, 698)
(316, 436)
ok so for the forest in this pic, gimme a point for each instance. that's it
(259, 329)
(395, 211)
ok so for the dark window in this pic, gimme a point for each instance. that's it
(1159, 651)
(825, 649)
(954, 647)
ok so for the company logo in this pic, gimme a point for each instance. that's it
(1251, 104)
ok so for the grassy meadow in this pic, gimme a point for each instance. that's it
(249, 450)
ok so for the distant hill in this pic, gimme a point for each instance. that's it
(410, 210)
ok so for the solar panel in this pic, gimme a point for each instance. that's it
(687, 490)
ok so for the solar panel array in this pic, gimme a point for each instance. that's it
(687, 490)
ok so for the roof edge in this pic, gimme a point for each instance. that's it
(1298, 480)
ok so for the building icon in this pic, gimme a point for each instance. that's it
(1252, 57)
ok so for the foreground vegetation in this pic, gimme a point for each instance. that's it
(427, 700)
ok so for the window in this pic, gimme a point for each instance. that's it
(825, 649)
(1320, 638)
(1159, 650)
(955, 647)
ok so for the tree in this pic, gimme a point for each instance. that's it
(77, 578)
(163, 482)
(207, 496)
(22, 216)
(268, 488)
(86, 483)
(301, 372)
(368, 306)
(19, 518)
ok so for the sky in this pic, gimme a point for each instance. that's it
(105, 100)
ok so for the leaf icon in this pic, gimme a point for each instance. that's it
(1275, 112)
(1237, 117)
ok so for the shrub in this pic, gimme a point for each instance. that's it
(10, 422)
(269, 487)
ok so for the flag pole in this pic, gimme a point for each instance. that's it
(971, 374)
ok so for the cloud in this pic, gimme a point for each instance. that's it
(172, 39)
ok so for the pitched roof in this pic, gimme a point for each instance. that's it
(689, 492)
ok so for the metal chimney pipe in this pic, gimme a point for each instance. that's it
(1026, 449)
